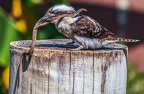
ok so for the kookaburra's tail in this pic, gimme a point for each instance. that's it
(128, 40)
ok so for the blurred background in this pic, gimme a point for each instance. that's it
(125, 18)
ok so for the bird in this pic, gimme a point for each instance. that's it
(85, 31)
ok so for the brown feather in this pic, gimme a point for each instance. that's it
(86, 28)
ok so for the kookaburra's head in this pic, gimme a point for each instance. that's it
(56, 12)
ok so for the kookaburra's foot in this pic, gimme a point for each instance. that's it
(79, 48)
(69, 43)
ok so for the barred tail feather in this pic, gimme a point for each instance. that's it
(128, 40)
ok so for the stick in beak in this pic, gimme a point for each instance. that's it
(46, 19)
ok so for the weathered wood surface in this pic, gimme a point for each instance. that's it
(53, 69)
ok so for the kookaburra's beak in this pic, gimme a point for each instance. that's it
(46, 19)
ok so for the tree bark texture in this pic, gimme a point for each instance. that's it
(54, 69)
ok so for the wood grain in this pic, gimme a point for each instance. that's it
(54, 69)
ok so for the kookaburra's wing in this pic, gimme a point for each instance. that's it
(88, 27)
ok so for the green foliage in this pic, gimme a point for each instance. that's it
(60, 1)
(8, 33)
(135, 84)
(49, 32)
(31, 3)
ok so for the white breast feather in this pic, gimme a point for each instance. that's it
(65, 23)
(70, 20)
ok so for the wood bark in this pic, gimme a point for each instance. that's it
(53, 69)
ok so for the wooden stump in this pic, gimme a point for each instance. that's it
(53, 69)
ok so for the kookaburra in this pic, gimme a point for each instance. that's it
(86, 32)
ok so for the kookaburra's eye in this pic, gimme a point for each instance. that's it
(71, 12)
(55, 12)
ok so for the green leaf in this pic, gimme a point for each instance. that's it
(8, 33)
(61, 1)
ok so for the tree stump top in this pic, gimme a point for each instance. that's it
(59, 44)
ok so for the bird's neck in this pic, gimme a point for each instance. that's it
(63, 25)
